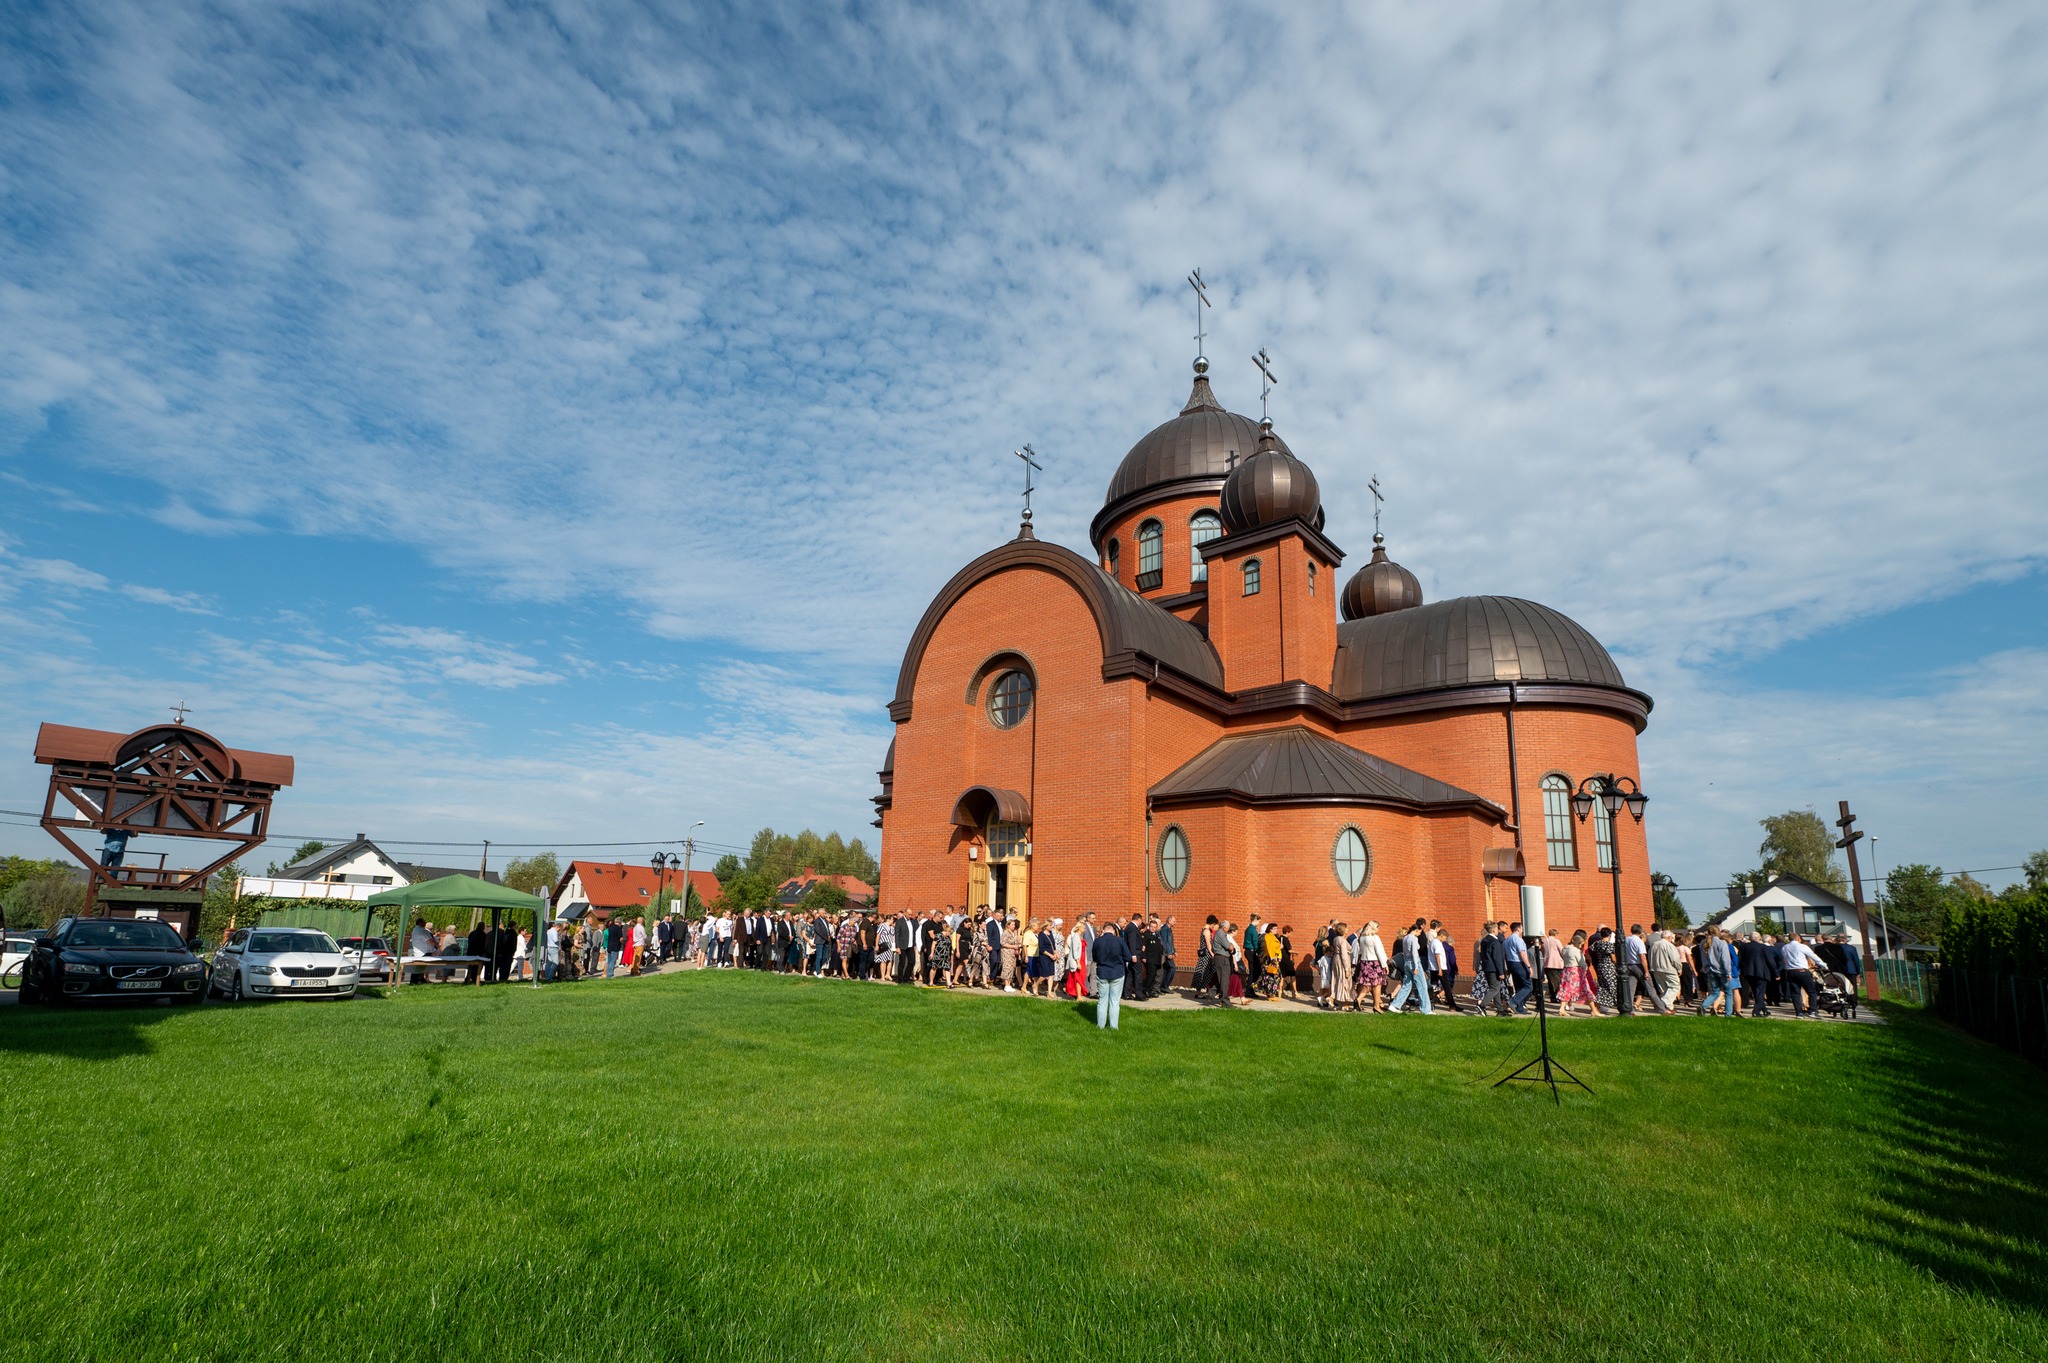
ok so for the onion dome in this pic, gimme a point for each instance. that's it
(1380, 586)
(1270, 487)
(1197, 444)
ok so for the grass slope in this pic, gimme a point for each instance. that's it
(724, 1165)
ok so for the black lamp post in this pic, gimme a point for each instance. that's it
(663, 863)
(1613, 792)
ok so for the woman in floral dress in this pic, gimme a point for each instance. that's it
(1602, 955)
(1372, 966)
(849, 930)
(1575, 986)
(942, 957)
(977, 952)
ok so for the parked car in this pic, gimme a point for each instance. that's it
(372, 956)
(14, 953)
(112, 958)
(267, 963)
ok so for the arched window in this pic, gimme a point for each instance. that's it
(1009, 700)
(1560, 839)
(1203, 526)
(1173, 858)
(1603, 834)
(1351, 859)
(1311, 577)
(1251, 577)
(1116, 557)
(1151, 554)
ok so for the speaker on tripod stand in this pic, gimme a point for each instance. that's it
(1550, 1072)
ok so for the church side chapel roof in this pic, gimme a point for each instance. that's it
(1468, 640)
(1295, 765)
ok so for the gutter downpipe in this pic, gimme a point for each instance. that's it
(1514, 772)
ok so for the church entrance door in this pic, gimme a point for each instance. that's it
(999, 881)
(977, 886)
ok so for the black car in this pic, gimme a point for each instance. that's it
(112, 958)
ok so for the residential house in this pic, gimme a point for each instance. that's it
(1798, 905)
(609, 887)
(353, 870)
(791, 892)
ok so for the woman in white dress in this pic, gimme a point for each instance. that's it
(885, 949)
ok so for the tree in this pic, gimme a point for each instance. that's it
(1668, 909)
(1967, 886)
(2036, 869)
(1917, 898)
(219, 906)
(825, 897)
(727, 867)
(1798, 843)
(534, 875)
(37, 893)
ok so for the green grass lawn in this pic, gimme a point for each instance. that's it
(724, 1165)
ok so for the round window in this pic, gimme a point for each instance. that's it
(1173, 858)
(1009, 700)
(1352, 860)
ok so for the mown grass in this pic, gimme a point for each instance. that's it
(729, 1166)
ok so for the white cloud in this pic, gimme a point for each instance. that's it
(1709, 326)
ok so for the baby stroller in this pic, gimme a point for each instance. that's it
(1836, 995)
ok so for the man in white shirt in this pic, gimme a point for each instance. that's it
(725, 940)
(1800, 963)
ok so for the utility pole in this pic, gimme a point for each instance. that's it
(1847, 842)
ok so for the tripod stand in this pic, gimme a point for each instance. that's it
(1551, 1069)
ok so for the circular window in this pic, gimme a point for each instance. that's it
(1173, 858)
(1009, 700)
(1352, 860)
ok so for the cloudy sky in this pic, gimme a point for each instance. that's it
(547, 422)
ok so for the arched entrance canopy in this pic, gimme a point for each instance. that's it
(977, 803)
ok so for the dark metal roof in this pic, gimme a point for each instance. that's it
(1381, 587)
(1129, 626)
(1195, 444)
(1299, 766)
(1469, 640)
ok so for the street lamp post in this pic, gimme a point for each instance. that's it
(663, 863)
(1613, 792)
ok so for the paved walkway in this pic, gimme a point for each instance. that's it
(1184, 999)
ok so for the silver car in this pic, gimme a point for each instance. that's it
(282, 963)
(372, 956)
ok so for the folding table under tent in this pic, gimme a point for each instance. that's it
(455, 892)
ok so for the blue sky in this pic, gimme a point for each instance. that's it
(548, 422)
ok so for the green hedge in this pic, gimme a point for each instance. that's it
(2004, 936)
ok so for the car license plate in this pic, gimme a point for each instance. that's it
(309, 984)
(139, 984)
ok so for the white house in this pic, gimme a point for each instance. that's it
(1798, 905)
(353, 870)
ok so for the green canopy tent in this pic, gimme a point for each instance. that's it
(457, 892)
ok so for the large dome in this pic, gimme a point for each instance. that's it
(1466, 641)
(1197, 444)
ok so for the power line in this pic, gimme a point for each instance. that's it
(332, 840)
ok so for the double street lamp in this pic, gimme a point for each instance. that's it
(1613, 792)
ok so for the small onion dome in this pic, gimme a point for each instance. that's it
(1380, 586)
(1269, 487)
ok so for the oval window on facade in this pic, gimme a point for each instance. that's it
(1352, 860)
(1009, 700)
(1173, 858)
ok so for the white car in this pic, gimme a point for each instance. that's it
(14, 957)
(281, 963)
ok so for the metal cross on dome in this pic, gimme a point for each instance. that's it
(1379, 499)
(1267, 383)
(1201, 301)
(180, 710)
(1029, 456)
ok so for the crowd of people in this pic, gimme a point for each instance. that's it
(1108, 960)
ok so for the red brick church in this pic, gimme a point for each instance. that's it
(1204, 718)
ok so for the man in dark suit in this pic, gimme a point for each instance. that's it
(994, 932)
(1757, 962)
(1133, 933)
(1493, 964)
(906, 948)
(1155, 956)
